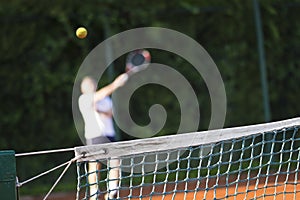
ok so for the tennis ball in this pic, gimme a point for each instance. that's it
(81, 32)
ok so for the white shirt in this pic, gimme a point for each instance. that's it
(96, 123)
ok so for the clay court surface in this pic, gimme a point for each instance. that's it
(288, 191)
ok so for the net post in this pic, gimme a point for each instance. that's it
(8, 173)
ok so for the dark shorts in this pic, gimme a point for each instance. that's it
(100, 140)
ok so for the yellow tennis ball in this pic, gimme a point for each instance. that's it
(81, 32)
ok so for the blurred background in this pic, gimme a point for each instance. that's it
(255, 44)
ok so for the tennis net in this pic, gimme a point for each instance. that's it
(250, 162)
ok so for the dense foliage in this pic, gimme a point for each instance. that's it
(41, 55)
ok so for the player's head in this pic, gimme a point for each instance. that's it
(88, 85)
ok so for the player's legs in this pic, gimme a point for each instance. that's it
(93, 178)
(113, 174)
(114, 177)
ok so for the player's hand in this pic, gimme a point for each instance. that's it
(120, 80)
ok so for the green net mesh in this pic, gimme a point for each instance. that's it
(258, 166)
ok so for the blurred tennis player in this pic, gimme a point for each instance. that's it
(96, 109)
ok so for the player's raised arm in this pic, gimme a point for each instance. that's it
(107, 90)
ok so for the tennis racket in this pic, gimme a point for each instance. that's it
(137, 61)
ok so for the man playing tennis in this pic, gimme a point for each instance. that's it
(96, 109)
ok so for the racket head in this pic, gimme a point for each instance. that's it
(137, 60)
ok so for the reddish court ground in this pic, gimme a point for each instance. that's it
(292, 191)
(266, 189)
(221, 194)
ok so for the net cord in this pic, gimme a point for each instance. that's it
(125, 148)
(44, 152)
